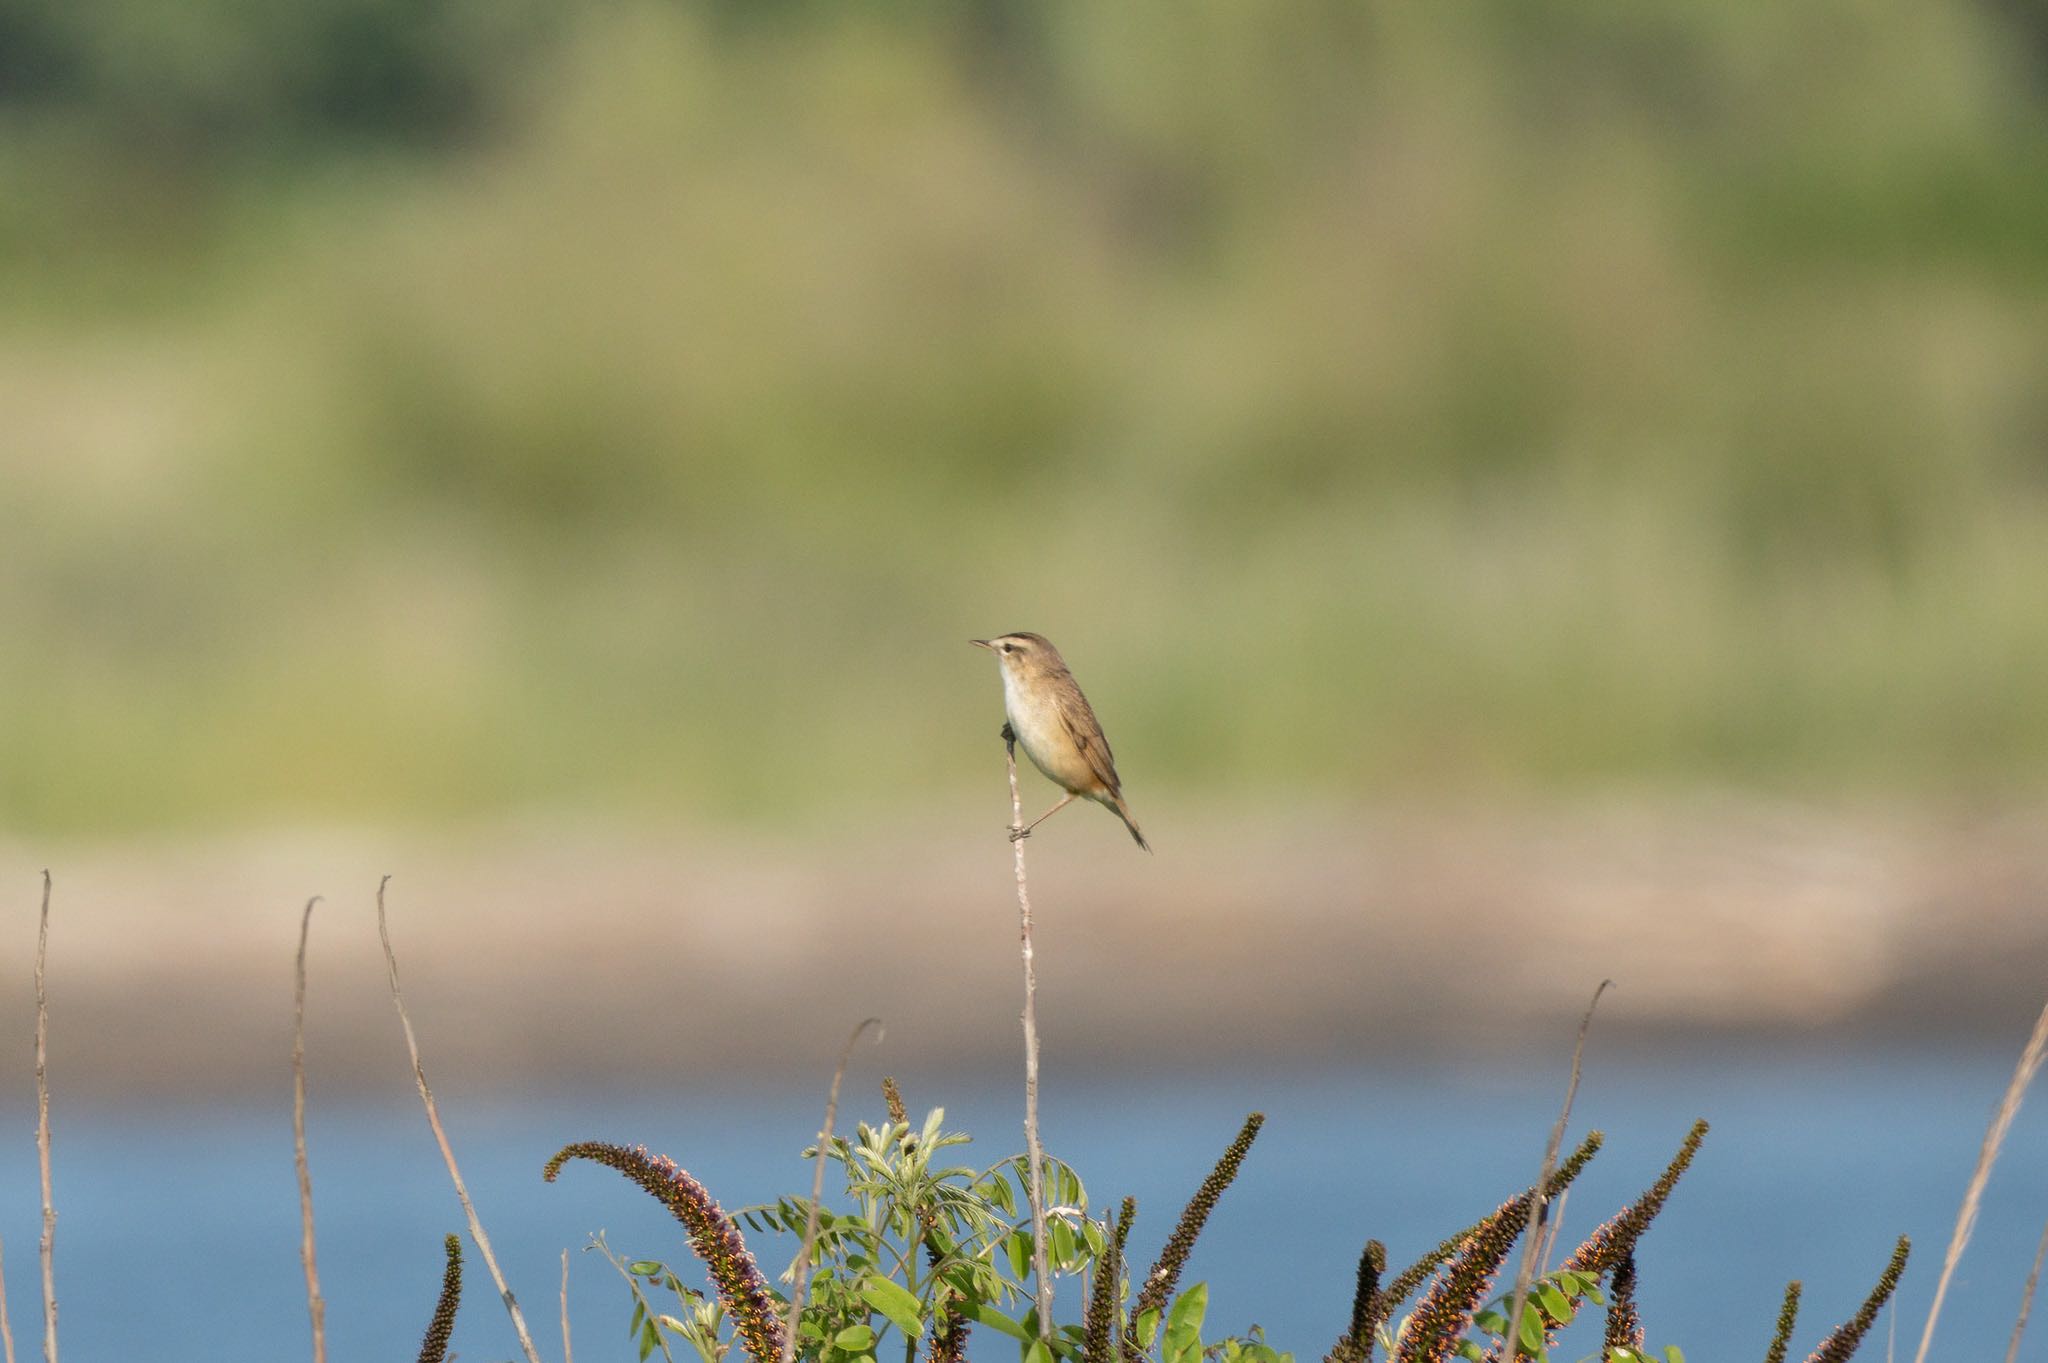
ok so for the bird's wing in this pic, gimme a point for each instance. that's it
(1081, 725)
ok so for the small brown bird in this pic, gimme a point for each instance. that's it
(1052, 719)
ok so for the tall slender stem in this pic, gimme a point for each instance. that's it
(800, 1273)
(6, 1331)
(316, 1306)
(568, 1354)
(1966, 1218)
(1525, 1267)
(2019, 1327)
(49, 1242)
(419, 1075)
(1033, 1152)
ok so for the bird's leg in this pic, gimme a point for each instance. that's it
(1025, 831)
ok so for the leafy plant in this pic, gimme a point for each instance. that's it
(924, 1248)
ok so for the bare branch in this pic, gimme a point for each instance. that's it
(315, 1306)
(6, 1331)
(1987, 1155)
(1525, 1268)
(568, 1354)
(49, 1242)
(2019, 1327)
(419, 1074)
(802, 1272)
(1033, 1152)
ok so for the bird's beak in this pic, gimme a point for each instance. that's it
(981, 643)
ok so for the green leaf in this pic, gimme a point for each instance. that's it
(1020, 1254)
(643, 1268)
(892, 1300)
(1148, 1326)
(854, 1339)
(1036, 1352)
(1189, 1308)
(1492, 1321)
(1184, 1325)
(1558, 1306)
(984, 1314)
(1674, 1354)
(1062, 1237)
(1469, 1348)
(1532, 1331)
(1092, 1233)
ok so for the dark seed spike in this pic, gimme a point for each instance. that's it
(1787, 1315)
(1842, 1343)
(1160, 1282)
(434, 1348)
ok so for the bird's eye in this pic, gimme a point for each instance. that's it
(1009, 648)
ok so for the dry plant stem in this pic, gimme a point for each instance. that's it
(1039, 1267)
(419, 1074)
(315, 1307)
(1987, 1155)
(800, 1276)
(49, 1242)
(568, 1354)
(2019, 1327)
(1525, 1267)
(1556, 1230)
(6, 1331)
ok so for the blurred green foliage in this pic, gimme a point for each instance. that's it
(428, 410)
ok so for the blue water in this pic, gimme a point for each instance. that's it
(178, 1231)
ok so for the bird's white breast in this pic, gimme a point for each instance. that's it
(1035, 719)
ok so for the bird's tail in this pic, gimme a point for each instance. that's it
(1123, 811)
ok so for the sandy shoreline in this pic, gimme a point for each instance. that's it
(550, 953)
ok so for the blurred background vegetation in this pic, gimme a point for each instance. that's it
(418, 411)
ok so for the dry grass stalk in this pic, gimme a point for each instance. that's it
(1039, 1265)
(568, 1354)
(6, 1330)
(315, 1306)
(1556, 1231)
(2019, 1327)
(1987, 1155)
(1525, 1268)
(49, 1241)
(800, 1274)
(419, 1074)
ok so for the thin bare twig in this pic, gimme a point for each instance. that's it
(419, 1074)
(801, 1273)
(1556, 1230)
(568, 1354)
(2019, 1327)
(315, 1306)
(6, 1330)
(1525, 1268)
(1039, 1266)
(1987, 1155)
(49, 1243)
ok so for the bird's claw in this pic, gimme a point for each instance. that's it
(1018, 834)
